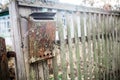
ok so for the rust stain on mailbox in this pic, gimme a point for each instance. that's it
(41, 38)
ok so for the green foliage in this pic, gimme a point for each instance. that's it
(59, 77)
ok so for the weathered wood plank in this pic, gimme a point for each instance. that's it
(24, 31)
(88, 45)
(90, 54)
(69, 27)
(111, 41)
(40, 71)
(62, 49)
(67, 7)
(118, 23)
(111, 51)
(36, 71)
(110, 48)
(55, 65)
(83, 34)
(97, 25)
(116, 41)
(107, 48)
(114, 49)
(77, 44)
(45, 70)
(98, 28)
(32, 72)
(103, 49)
(119, 44)
(94, 48)
(15, 23)
(113, 68)
(117, 38)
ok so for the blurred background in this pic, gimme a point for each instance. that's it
(115, 4)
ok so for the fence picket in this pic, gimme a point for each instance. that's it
(89, 59)
(62, 50)
(102, 41)
(110, 48)
(119, 46)
(94, 47)
(55, 65)
(99, 45)
(83, 34)
(116, 35)
(108, 42)
(69, 25)
(114, 76)
(77, 46)
(105, 48)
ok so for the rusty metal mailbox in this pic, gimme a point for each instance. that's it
(42, 29)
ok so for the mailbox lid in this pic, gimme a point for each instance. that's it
(43, 15)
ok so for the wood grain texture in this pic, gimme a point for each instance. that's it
(15, 23)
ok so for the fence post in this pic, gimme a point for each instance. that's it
(16, 28)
